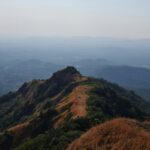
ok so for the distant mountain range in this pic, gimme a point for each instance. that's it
(15, 73)
(52, 113)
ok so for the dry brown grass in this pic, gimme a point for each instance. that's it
(20, 128)
(60, 119)
(118, 134)
(77, 79)
(75, 104)
(77, 99)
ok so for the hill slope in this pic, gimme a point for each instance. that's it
(119, 134)
(65, 106)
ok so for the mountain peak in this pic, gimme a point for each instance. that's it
(69, 73)
(68, 69)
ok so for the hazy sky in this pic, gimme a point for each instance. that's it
(104, 18)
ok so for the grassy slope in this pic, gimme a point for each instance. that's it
(119, 134)
(32, 112)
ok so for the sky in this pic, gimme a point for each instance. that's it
(69, 18)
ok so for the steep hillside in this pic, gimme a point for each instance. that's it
(64, 107)
(118, 134)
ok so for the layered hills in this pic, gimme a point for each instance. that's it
(50, 114)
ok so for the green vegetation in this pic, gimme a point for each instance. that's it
(33, 103)
(55, 139)
(6, 141)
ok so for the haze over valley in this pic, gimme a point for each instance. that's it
(74, 75)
